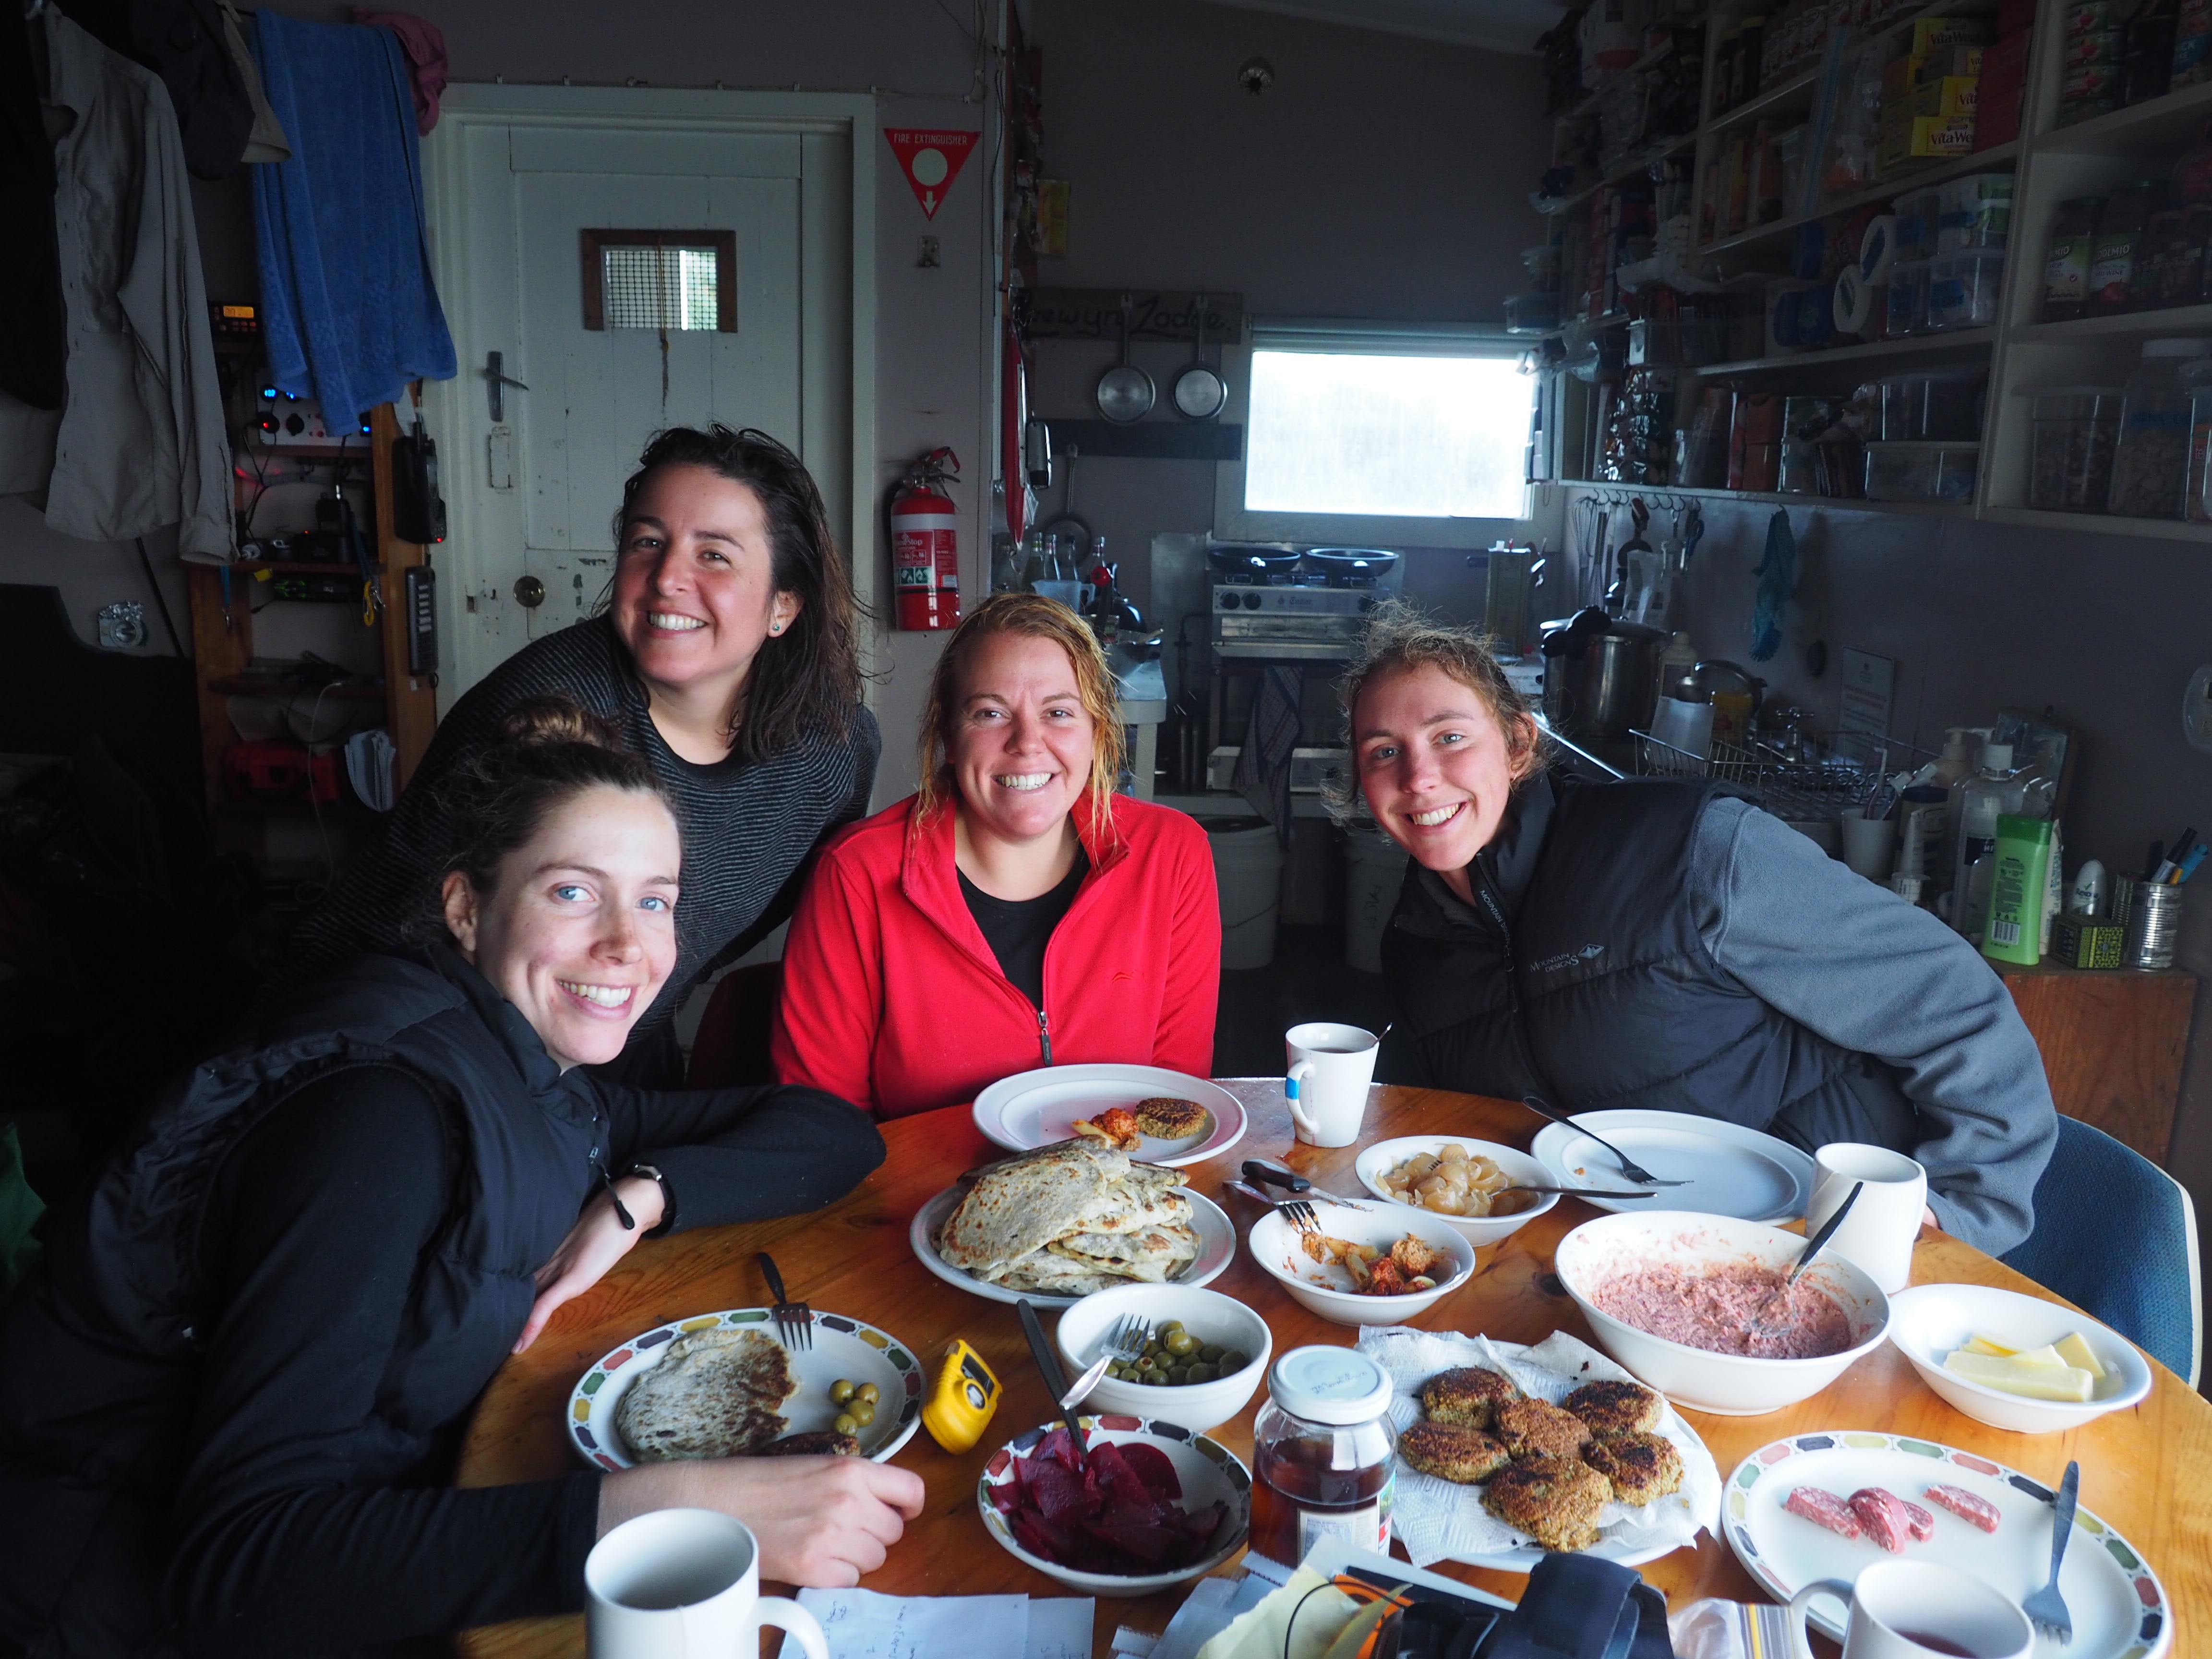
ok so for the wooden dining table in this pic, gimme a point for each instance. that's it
(2143, 1470)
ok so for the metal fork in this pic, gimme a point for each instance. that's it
(795, 1321)
(1296, 1210)
(1629, 1166)
(2046, 1608)
(1126, 1341)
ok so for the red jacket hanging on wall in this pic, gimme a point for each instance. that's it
(893, 998)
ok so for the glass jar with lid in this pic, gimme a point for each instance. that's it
(1324, 1454)
(2151, 459)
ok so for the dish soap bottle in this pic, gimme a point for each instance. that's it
(1982, 801)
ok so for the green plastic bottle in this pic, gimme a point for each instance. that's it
(2019, 876)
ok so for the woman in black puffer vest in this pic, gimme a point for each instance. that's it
(230, 1398)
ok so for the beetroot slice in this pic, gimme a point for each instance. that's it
(1154, 1467)
(1062, 1496)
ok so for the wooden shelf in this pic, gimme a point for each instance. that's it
(1759, 103)
(2140, 325)
(2156, 124)
(1950, 341)
(1623, 173)
(1994, 159)
(1837, 504)
(248, 685)
(2102, 524)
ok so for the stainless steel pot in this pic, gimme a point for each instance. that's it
(1601, 675)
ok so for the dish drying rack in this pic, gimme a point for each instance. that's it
(1791, 774)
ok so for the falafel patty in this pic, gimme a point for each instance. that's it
(1553, 1500)
(1642, 1468)
(1451, 1452)
(1533, 1428)
(1467, 1395)
(1612, 1408)
(1171, 1117)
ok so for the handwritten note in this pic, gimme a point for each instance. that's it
(863, 1624)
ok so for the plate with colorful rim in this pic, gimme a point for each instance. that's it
(1217, 1249)
(2120, 1610)
(1729, 1170)
(845, 1350)
(1035, 1109)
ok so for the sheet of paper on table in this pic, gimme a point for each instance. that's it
(861, 1623)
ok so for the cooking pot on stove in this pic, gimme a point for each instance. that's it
(1601, 675)
(1252, 558)
(1339, 562)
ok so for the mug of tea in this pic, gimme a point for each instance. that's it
(684, 1584)
(1327, 1071)
(1918, 1610)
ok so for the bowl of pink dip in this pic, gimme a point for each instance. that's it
(1678, 1298)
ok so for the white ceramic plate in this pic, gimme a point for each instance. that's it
(2120, 1611)
(1035, 1109)
(1730, 1169)
(1217, 1249)
(844, 1349)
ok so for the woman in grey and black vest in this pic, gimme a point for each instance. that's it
(231, 1395)
(1662, 944)
(727, 659)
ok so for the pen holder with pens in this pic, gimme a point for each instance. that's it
(2151, 912)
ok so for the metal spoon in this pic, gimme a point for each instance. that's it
(1761, 1323)
(1629, 1167)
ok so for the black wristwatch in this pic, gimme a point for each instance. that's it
(667, 1196)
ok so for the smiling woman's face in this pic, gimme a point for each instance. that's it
(579, 933)
(1434, 764)
(695, 587)
(1022, 742)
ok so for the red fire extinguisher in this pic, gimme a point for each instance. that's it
(926, 544)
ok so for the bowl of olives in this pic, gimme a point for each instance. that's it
(1203, 1358)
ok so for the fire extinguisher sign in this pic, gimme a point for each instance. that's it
(931, 161)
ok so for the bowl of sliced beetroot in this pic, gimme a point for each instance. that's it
(1140, 1506)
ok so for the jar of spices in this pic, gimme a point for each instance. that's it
(2119, 244)
(2066, 269)
(1324, 1454)
(2150, 459)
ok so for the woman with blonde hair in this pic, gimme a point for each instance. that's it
(1014, 912)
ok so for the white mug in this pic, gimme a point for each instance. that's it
(684, 1584)
(1917, 1610)
(1878, 1235)
(1327, 1071)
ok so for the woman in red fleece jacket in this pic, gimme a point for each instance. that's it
(1015, 913)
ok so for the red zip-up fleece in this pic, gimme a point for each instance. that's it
(893, 1000)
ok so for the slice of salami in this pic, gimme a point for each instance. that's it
(1824, 1509)
(1919, 1525)
(1882, 1514)
(1970, 1507)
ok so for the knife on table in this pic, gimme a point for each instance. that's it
(1048, 1364)
(1259, 1172)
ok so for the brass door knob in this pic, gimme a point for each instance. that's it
(529, 592)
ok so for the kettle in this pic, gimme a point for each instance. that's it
(1601, 674)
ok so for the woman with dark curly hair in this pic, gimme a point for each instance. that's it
(727, 659)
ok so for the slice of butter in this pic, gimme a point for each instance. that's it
(2031, 1381)
(1989, 1345)
(2075, 1351)
(2046, 1356)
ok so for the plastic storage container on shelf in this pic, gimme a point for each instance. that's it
(1921, 472)
(2150, 458)
(1908, 298)
(1532, 314)
(2070, 468)
(1974, 212)
(1946, 407)
(1963, 290)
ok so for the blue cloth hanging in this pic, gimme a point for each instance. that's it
(1777, 585)
(349, 314)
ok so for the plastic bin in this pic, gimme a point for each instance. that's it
(1532, 314)
(1248, 875)
(1908, 299)
(1963, 290)
(1945, 407)
(1921, 472)
(2069, 467)
(1976, 213)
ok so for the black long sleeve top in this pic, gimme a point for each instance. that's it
(289, 1527)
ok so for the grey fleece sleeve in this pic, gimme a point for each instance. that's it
(1856, 963)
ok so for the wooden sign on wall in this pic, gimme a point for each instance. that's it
(1095, 314)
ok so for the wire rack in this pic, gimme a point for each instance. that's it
(1805, 779)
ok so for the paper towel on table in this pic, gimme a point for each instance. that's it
(1439, 1519)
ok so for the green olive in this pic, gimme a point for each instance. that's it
(1198, 1371)
(840, 1392)
(1233, 1360)
(1156, 1379)
(1182, 1344)
(861, 1412)
(846, 1425)
(869, 1392)
(1210, 1352)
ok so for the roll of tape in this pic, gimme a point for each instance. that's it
(1877, 248)
(1855, 308)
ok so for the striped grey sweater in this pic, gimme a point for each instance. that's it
(748, 830)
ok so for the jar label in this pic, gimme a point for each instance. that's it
(1366, 1527)
(2066, 278)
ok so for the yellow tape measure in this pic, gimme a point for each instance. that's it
(962, 1396)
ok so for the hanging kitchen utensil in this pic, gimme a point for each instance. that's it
(1199, 393)
(1125, 392)
(1074, 533)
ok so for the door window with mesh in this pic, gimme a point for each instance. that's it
(661, 279)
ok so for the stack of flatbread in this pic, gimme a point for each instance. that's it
(1068, 1219)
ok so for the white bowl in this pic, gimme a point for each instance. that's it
(1207, 1315)
(1734, 1385)
(1931, 1320)
(1522, 1170)
(1209, 1473)
(1274, 1245)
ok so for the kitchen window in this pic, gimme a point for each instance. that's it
(1390, 433)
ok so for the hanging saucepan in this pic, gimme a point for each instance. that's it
(1199, 393)
(1125, 392)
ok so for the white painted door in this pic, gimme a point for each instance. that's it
(532, 491)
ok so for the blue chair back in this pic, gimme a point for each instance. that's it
(2115, 1235)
